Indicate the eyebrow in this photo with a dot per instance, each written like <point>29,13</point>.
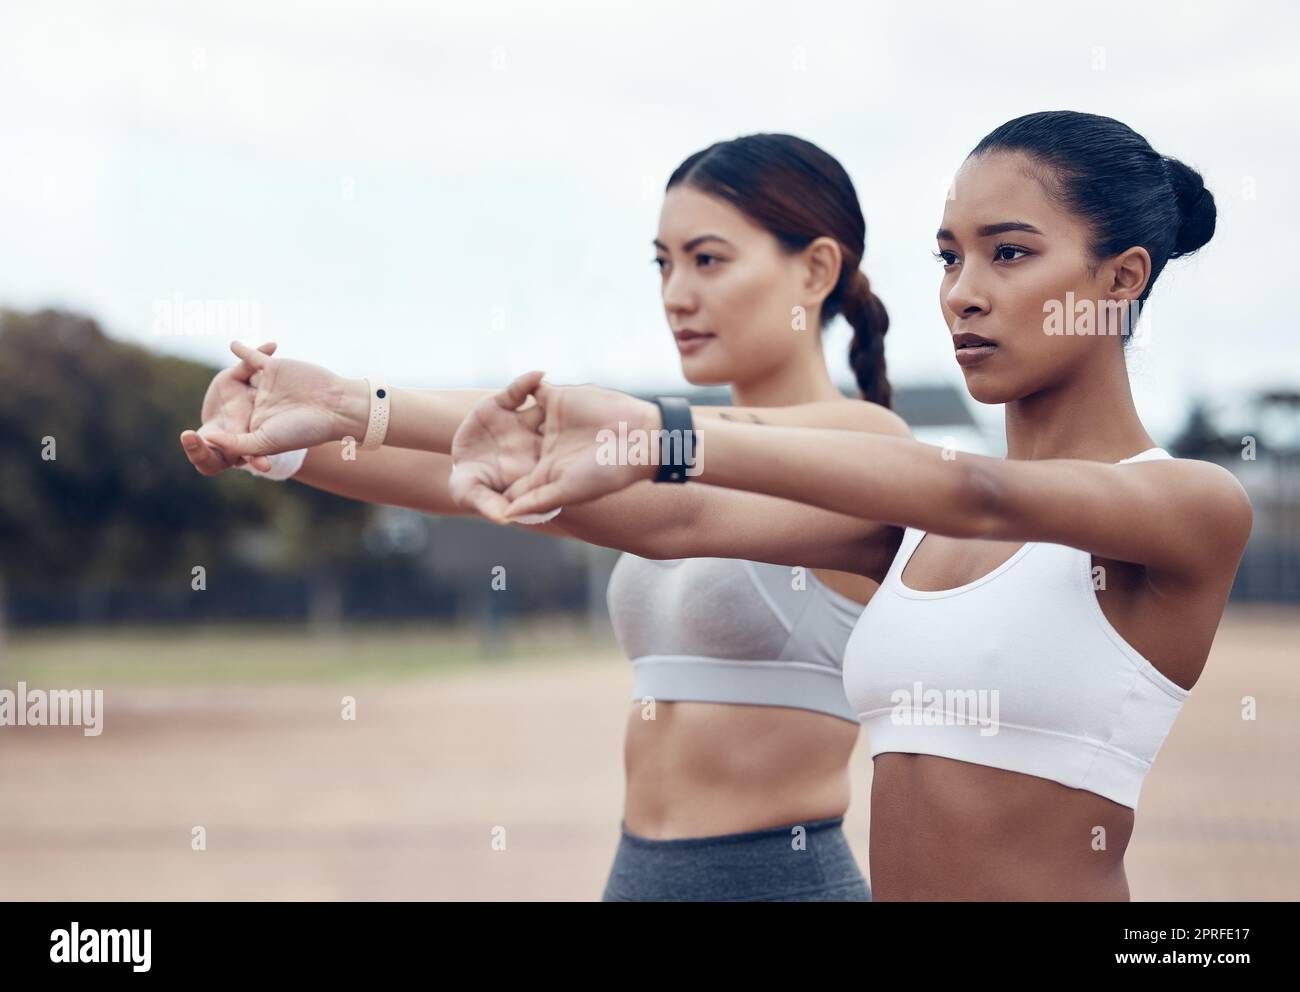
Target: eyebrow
<point>988,230</point>
<point>695,242</point>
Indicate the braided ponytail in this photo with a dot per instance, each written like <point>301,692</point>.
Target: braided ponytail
<point>866,314</point>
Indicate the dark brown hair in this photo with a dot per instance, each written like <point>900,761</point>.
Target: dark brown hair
<point>799,193</point>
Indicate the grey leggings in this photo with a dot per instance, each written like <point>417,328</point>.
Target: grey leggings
<point>808,862</point>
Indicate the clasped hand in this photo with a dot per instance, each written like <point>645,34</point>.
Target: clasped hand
<point>518,456</point>
<point>579,457</point>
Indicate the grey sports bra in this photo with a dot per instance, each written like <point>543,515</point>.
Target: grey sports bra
<point>725,630</point>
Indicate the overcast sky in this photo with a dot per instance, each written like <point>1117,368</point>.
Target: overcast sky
<point>452,193</point>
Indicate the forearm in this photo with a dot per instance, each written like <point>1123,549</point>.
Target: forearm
<point>418,419</point>
<point>873,477</point>
<point>393,476</point>
<point>670,522</point>
<point>645,520</point>
<point>666,522</point>
<point>418,480</point>
<point>427,419</point>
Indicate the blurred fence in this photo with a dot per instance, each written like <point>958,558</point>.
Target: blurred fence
<point>444,568</point>
<point>1270,568</point>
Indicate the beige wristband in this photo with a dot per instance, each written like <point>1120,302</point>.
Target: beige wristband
<point>377,428</point>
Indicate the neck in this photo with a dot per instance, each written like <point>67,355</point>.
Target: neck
<point>1091,417</point>
<point>801,380</point>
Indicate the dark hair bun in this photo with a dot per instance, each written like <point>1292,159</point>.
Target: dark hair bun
<point>1195,206</point>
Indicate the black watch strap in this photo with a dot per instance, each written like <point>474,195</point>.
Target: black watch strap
<point>676,439</point>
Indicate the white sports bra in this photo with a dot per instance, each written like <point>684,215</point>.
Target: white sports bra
<point>1019,669</point>
<point>726,630</point>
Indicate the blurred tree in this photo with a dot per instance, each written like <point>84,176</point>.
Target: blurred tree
<point>95,489</point>
<point>1198,435</point>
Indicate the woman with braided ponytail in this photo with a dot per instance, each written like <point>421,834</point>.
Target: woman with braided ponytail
<point>739,732</point>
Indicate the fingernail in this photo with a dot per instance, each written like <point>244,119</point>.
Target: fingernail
<point>190,443</point>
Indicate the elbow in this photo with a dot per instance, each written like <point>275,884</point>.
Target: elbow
<point>656,553</point>
<point>683,533</point>
<point>657,545</point>
<point>682,536</point>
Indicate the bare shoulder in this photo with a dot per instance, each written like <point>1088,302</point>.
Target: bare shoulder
<point>1219,500</point>
<point>1225,493</point>
<point>843,414</point>
<point>876,419</point>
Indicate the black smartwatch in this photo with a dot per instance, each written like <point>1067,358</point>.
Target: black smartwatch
<point>676,439</point>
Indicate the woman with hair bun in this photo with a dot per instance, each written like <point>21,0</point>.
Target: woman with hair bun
<point>1047,614</point>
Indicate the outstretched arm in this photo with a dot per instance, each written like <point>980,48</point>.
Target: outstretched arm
<point>300,405</point>
<point>1184,518</point>
<point>648,520</point>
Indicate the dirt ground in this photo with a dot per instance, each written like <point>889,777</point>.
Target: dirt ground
<point>505,782</point>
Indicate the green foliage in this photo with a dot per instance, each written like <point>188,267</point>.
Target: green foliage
<point>119,502</point>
